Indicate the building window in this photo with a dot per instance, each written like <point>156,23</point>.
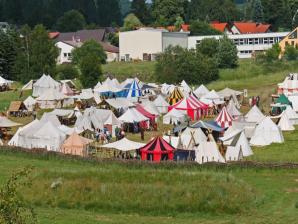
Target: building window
<point>65,55</point>
<point>261,41</point>
<point>266,41</point>
<point>250,41</point>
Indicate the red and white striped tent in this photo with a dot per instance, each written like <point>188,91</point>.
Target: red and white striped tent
<point>224,119</point>
<point>193,107</point>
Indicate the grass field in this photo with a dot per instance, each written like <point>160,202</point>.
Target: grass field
<point>116,192</point>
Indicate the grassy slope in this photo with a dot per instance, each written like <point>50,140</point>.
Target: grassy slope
<point>121,193</point>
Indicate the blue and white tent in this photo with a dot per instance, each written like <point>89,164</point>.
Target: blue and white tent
<point>133,90</point>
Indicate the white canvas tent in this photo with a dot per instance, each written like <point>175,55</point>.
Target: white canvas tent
<point>28,86</point>
<point>201,91</point>
<point>30,103</point>
<point>119,103</point>
<point>232,110</point>
<point>191,137</point>
<point>238,145</point>
<point>208,152</point>
<point>50,99</point>
<point>151,108</point>
<point>211,98</point>
<point>227,93</point>
<point>254,115</point>
<point>124,145</point>
<point>172,140</point>
<point>292,115</point>
<point>266,132</point>
<point>284,123</point>
<point>6,123</point>
<point>161,104</point>
<point>174,117</point>
<point>4,81</point>
<point>44,84</point>
<point>131,116</point>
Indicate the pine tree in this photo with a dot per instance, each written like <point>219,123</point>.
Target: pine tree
<point>258,11</point>
<point>140,9</point>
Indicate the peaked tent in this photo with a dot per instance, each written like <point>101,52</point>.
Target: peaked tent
<point>201,91</point>
<point>124,145</point>
<point>174,117</point>
<point>151,108</point>
<point>285,124</point>
<point>212,98</point>
<point>66,90</point>
<point>185,88</point>
<point>161,104</point>
<point>76,145</point>
<point>28,85</point>
<point>224,119</point>
<point>50,99</point>
<point>30,103</point>
<point>43,84</point>
<point>232,110</point>
<point>292,115</point>
<point>133,90</point>
<point>157,149</point>
<point>254,115</point>
<point>238,145</point>
<point>192,106</point>
<point>266,132</point>
<point>131,116</point>
<point>192,137</point>
<point>143,111</point>
<point>208,152</point>
<point>227,93</point>
<point>175,96</point>
<point>4,81</point>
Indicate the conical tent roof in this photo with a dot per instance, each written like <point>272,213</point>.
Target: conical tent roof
<point>212,95</point>
<point>175,96</point>
<point>151,108</point>
<point>232,110</point>
<point>191,137</point>
<point>227,92</point>
<point>224,119</point>
<point>131,116</point>
<point>254,115</point>
<point>185,88</point>
<point>134,90</point>
<point>75,140</point>
<point>124,145</point>
<point>161,102</point>
<point>208,152</point>
<point>266,132</point>
<point>173,117</point>
<point>157,147</point>
<point>285,124</point>
<point>44,83</point>
<point>201,91</point>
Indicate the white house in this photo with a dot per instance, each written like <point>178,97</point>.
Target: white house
<point>66,47</point>
<point>247,44</point>
<point>145,43</point>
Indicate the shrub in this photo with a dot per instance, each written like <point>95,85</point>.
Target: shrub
<point>66,71</point>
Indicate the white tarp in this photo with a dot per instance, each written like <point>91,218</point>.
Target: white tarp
<point>132,115</point>
<point>150,107</point>
<point>266,132</point>
<point>43,84</point>
<point>119,103</point>
<point>6,123</point>
<point>30,103</point>
<point>4,81</point>
<point>227,92</point>
<point>201,91</point>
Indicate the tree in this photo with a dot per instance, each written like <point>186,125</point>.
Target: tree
<point>202,28</point>
<point>43,52</point>
<point>179,22</point>
<point>114,39</point>
<point>269,56</point>
<point>176,64</point>
<point>227,53</point>
<point>131,22</point>
<point>90,71</point>
<point>165,12</point>
<point>89,47</point>
<point>71,21</point>
<point>66,71</point>
<point>257,12</point>
<point>140,9</point>
<point>13,209</point>
<point>9,43</point>
<point>208,47</point>
<point>291,53</point>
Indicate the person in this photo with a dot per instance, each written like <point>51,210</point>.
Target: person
<point>34,114</point>
<point>250,102</point>
<point>97,135</point>
<point>122,133</point>
<point>117,133</point>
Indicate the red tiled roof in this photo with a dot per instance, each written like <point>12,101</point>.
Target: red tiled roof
<point>185,27</point>
<point>53,35</point>
<point>219,26</point>
<point>250,27</point>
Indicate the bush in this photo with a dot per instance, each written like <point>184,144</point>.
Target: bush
<point>208,47</point>
<point>202,28</point>
<point>91,71</point>
<point>291,53</point>
<point>66,71</point>
<point>269,56</point>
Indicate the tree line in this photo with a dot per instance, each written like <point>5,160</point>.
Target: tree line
<point>99,13</point>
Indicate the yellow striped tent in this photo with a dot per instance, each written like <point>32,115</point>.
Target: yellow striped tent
<point>175,96</point>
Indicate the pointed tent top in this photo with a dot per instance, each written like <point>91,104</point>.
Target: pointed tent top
<point>75,140</point>
<point>224,119</point>
<point>254,115</point>
<point>124,145</point>
<point>201,91</point>
<point>232,110</point>
<point>161,102</point>
<point>284,123</point>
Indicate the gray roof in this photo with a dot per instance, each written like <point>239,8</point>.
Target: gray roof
<point>83,35</point>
